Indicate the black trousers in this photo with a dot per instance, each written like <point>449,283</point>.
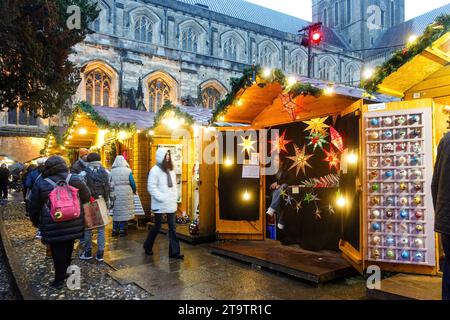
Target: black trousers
<point>174,244</point>
<point>4,191</point>
<point>62,257</point>
<point>446,276</point>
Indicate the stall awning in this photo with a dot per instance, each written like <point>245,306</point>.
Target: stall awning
<point>418,69</point>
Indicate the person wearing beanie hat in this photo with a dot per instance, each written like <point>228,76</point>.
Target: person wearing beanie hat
<point>81,163</point>
<point>98,181</point>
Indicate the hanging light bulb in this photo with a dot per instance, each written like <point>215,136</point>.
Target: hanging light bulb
<point>341,202</point>
<point>267,72</point>
<point>352,158</point>
<point>292,81</point>
<point>246,196</point>
<point>82,131</point>
<point>228,162</point>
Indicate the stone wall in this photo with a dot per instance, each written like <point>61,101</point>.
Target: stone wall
<point>21,149</point>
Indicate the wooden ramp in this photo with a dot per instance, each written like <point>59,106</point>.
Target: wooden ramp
<point>408,287</point>
<point>316,267</point>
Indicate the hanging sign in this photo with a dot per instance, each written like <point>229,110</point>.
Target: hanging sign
<point>250,172</point>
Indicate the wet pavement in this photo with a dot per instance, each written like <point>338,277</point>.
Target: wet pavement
<point>129,274</point>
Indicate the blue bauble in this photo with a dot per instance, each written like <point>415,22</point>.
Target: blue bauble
<point>376,226</point>
<point>405,255</point>
<point>415,119</point>
<point>415,160</point>
<point>418,256</point>
<point>388,134</point>
<point>374,122</point>
<point>389,174</point>
<point>390,240</point>
<point>404,214</point>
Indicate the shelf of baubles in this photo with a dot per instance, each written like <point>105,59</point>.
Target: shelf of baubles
<point>400,215</point>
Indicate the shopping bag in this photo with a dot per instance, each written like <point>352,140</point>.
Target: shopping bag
<point>95,214</point>
<point>138,209</point>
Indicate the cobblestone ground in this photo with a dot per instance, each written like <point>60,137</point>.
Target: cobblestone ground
<point>129,274</point>
<point>6,289</point>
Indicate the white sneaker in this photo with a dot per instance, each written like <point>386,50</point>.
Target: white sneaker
<point>270,212</point>
<point>280,226</point>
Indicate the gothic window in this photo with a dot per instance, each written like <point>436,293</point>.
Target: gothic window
<point>352,77</point>
<point>349,11</point>
<point>392,14</point>
<point>143,29</point>
<point>325,17</point>
<point>267,58</point>
<point>298,64</point>
<point>98,88</point>
<point>230,49</point>
<point>189,40</point>
<point>22,117</point>
<point>326,71</point>
<point>159,92</point>
<point>96,25</point>
<point>383,18</point>
<point>210,97</point>
<point>336,13</point>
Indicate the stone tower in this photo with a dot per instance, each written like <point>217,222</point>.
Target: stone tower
<point>359,22</point>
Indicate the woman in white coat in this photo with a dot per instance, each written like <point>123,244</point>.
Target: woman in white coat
<point>163,190</point>
<point>124,188</point>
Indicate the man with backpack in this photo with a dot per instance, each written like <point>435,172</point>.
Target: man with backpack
<point>97,179</point>
<point>56,209</point>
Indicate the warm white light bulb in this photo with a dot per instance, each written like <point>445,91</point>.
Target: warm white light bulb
<point>341,202</point>
<point>246,196</point>
<point>352,158</point>
<point>82,131</point>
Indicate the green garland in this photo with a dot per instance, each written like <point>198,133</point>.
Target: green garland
<point>102,123</point>
<point>432,33</point>
<point>52,132</point>
<point>255,75</point>
<point>168,106</point>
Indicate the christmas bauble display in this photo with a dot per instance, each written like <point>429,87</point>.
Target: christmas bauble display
<point>375,201</point>
<point>401,121</point>
<point>404,214</point>
<point>404,241</point>
<point>417,147</point>
<point>387,162</point>
<point>403,186</point>
<point>402,174</point>
<point>403,201</point>
<point>417,174</point>
<point>415,119</point>
<point>418,200</point>
<point>389,213</point>
<point>376,240</point>
<point>388,188</point>
<point>376,253</point>
<point>390,254</point>
<point>389,147</point>
<point>373,175</point>
<point>419,228</point>
<point>418,242</point>
<point>403,227</point>
<point>389,174</point>
<point>418,256</point>
<point>374,162</point>
<point>416,133</point>
<point>376,226</point>
<point>405,255</point>
<point>401,147</point>
<point>402,160</point>
<point>419,214</point>
<point>387,121</point>
<point>401,134</point>
<point>375,187</point>
<point>390,227</point>
<point>415,160</point>
<point>374,122</point>
<point>418,187</point>
<point>387,134</point>
<point>390,240</point>
<point>390,201</point>
<point>376,214</point>
<point>374,135</point>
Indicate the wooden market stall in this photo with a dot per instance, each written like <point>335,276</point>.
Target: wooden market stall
<point>315,127</point>
<point>423,82</point>
<point>137,135</point>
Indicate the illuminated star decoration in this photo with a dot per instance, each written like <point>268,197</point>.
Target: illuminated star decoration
<point>317,140</point>
<point>247,144</point>
<point>331,209</point>
<point>289,106</point>
<point>309,197</point>
<point>300,160</point>
<point>283,193</point>
<point>298,206</point>
<point>336,139</point>
<point>332,158</point>
<point>289,200</point>
<point>279,144</point>
<point>317,125</point>
<point>317,214</point>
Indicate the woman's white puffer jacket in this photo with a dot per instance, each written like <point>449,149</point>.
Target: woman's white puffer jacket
<point>164,199</point>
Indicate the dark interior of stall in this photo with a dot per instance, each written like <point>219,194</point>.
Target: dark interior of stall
<point>317,224</point>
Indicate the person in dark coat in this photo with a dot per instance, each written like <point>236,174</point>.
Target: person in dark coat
<point>81,164</point>
<point>59,235</point>
<point>4,181</point>
<point>440,189</point>
<point>279,184</point>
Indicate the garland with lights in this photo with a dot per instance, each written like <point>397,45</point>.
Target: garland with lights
<point>52,132</point>
<point>168,106</point>
<point>102,123</point>
<point>431,34</point>
<point>255,75</point>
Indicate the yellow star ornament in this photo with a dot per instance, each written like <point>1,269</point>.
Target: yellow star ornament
<point>300,160</point>
<point>317,125</point>
<point>247,144</point>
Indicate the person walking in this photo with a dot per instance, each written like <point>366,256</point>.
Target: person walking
<point>4,181</point>
<point>30,180</point>
<point>162,188</point>
<point>124,188</point>
<point>440,189</point>
<point>81,163</point>
<point>98,181</point>
<point>62,234</point>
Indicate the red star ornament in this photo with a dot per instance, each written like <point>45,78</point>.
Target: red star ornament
<point>279,144</point>
<point>332,159</point>
<point>336,139</point>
